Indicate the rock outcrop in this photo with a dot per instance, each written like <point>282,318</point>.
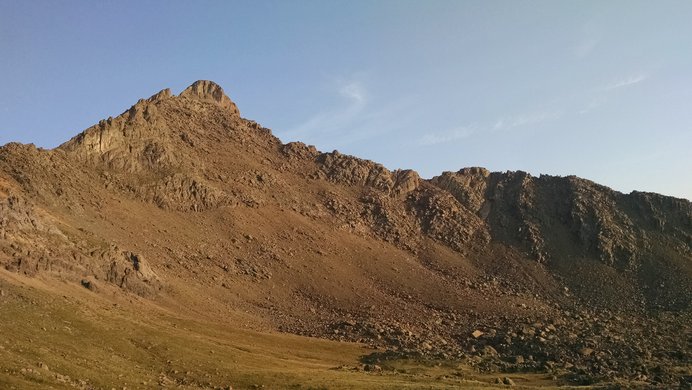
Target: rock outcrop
<point>180,195</point>
<point>212,92</point>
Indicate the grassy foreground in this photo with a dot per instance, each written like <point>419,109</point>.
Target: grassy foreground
<point>60,336</point>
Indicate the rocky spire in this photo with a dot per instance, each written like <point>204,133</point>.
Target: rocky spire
<point>209,91</point>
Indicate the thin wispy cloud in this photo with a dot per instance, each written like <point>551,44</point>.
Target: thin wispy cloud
<point>626,82</point>
<point>378,119</point>
<point>501,124</point>
<point>533,118</point>
<point>585,47</point>
<point>600,96</point>
<point>446,136</point>
<point>354,101</point>
<point>355,118</point>
<point>592,105</point>
<point>353,90</point>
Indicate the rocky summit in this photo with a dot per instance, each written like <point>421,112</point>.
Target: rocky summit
<point>179,245</point>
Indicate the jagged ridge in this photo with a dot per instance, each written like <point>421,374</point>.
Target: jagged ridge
<point>205,195</point>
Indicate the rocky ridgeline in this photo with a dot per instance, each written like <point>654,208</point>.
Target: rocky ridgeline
<point>146,150</point>
<point>549,218</point>
<point>599,222</point>
<point>617,259</point>
<point>398,206</point>
<point>162,150</point>
<point>546,217</point>
<point>563,221</point>
<point>138,138</point>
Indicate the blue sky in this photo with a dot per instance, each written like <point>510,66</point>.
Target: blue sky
<point>599,89</point>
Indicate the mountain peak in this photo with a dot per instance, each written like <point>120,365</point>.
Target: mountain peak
<point>198,211</point>
<point>209,91</point>
<point>161,95</point>
<point>144,121</point>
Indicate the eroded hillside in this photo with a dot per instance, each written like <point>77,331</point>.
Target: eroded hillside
<point>184,203</point>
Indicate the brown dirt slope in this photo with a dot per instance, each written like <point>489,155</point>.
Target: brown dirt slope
<point>181,201</point>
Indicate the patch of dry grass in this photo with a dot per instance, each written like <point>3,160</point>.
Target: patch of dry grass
<point>86,341</point>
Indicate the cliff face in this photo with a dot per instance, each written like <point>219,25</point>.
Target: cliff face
<point>567,221</point>
<point>182,191</point>
<point>194,152</point>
